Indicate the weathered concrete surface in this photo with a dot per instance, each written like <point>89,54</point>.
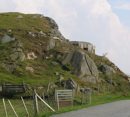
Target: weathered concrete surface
<point>115,109</point>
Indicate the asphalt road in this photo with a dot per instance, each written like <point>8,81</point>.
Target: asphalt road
<point>115,109</point>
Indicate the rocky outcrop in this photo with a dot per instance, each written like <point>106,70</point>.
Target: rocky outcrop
<point>106,69</point>
<point>17,52</point>
<point>54,32</point>
<point>83,66</point>
<point>51,44</point>
<point>69,84</point>
<point>9,66</point>
<point>38,50</point>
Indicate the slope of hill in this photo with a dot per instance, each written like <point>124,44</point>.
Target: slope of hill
<point>32,50</point>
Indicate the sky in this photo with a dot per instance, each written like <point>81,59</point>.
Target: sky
<point>104,23</point>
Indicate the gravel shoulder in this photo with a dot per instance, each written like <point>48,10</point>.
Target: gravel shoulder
<point>114,109</point>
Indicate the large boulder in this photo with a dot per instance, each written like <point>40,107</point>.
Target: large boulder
<point>108,70</point>
<point>83,66</point>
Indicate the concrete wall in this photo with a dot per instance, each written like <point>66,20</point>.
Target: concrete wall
<point>84,45</point>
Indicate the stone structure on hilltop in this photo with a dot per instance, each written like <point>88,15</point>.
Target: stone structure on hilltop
<point>84,45</point>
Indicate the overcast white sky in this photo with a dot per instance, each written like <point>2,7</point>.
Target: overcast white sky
<point>105,23</point>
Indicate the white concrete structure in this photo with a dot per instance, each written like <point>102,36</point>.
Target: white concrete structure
<point>84,45</point>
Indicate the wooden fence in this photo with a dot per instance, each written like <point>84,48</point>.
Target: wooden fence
<point>64,98</point>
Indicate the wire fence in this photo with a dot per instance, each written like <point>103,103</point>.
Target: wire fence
<point>35,106</point>
<point>20,109</point>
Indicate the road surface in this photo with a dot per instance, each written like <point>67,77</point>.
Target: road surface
<point>115,109</point>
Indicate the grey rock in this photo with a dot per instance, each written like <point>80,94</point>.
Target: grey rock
<point>83,66</point>
<point>56,33</point>
<point>51,44</point>
<point>17,56</point>
<point>10,67</point>
<point>32,34</point>
<point>21,56</point>
<point>106,69</point>
<point>6,38</point>
<point>14,56</point>
<point>17,52</point>
<point>70,84</point>
<point>42,34</point>
<point>52,22</point>
<point>54,29</point>
<point>90,78</point>
<point>54,63</point>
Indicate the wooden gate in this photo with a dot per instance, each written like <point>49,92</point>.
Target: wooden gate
<point>64,98</point>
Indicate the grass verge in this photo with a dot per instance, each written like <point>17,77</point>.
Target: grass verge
<point>96,100</point>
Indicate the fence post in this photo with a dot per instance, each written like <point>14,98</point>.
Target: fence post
<point>25,106</point>
<point>57,100</point>
<point>90,97</point>
<point>45,103</point>
<point>5,107</point>
<point>13,108</point>
<point>35,103</point>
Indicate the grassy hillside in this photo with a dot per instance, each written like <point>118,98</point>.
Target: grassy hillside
<point>26,29</point>
<point>27,22</point>
<point>44,70</point>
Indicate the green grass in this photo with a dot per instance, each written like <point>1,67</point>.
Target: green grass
<point>18,107</point>
<point>96,100</point>
<point>44,71</point>
<point>10,21</point>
